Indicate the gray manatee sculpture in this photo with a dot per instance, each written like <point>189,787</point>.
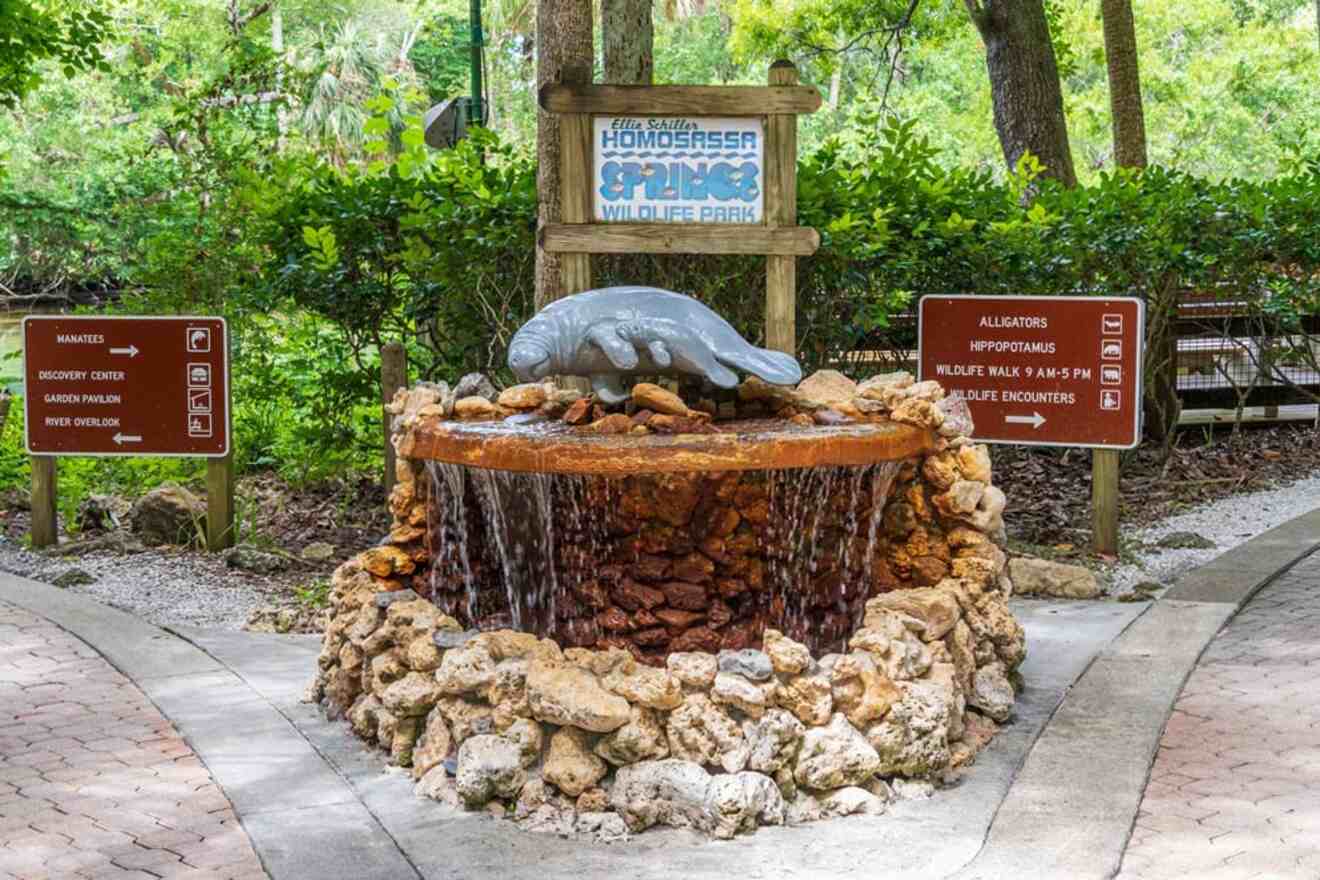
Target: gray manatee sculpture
<point>616,331</point>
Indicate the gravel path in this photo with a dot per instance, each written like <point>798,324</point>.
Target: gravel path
<point>159,586</point>
<point>1227,522</point>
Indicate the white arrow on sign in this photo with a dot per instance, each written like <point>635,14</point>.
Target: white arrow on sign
<point>1035,420</point>
<point>121,439</point>
<point>131,351</point>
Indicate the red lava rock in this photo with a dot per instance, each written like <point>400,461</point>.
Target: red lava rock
<point>736,638</point>
<point>631,595</point>
<point>720,614</point>
<point>642,416</point>
<point>713,548</point>
<point>927,571</point>
<point>693,568</point>
<point>677,618</point>
<point>650,567</point>
<point>593,594</point>
<point>699,638</point>
<point>651,638</point>
<point>644,618</point>
<point>578,411</point>
<point>684,595</point>
<point>729,588</point>
<point>597,412</point>
<point>614,619</point>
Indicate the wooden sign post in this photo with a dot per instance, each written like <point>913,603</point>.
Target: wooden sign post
<point>684,170</point>
<point>115,386</point>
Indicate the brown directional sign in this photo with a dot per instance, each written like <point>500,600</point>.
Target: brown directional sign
<point>126,386</point>
<point>1043,370</point>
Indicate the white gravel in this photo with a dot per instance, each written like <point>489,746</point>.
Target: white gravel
<point>1228,522</point>
<point>163,587</point>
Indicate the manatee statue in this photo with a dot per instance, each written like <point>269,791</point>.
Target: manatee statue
<point>607,333</point>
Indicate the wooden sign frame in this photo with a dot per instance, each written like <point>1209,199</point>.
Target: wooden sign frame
<point>778,237</point>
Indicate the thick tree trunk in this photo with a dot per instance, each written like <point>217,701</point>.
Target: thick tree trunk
<point>627,38</point>
<point>563,54</point>
<point>1125,110</point>
<point>1024,83</point>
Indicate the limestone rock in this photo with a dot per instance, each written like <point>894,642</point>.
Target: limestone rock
<point>489,766</point>
<point>702,732</point>
<point>605,827</point>
<point>413,694</point>
<point>827,387</point>
<point>808,696</point>
<point>528,396</point>
<point>885,387</point>
<point>991,692</point>
<point>642,738</point>
<point>1041,577</point>
<point>649,396</point>
<point>786,656</point>
<point>913,739</point>
<point>741,801</point>
<point>751,664</point>
<point>526,735</point>
<point>475,385</point>
<point>974,462</point>
<point>593,800</point>
<point>860,691</point>
<point>913,789</point>
<point>773,740</point>
<point>956,418</point>
<point>569,764</point>
<point>245,557</point>
<point>848,801</point>
<point>475,408</point>
<point>668,792</point>
<point>465,670</point>
<point>433,746</point>
<point>644,685</point>
<point>835,756</point>
<point>935,608</point>
<point>737,691</point>
<point>694,669</point>
<point>437,785</point>
<point>169,515</point>
<point>465,718</point>
<point>362,716</point>
<point>421,654</point>
<point>563,694</point>
<point>890,639</point>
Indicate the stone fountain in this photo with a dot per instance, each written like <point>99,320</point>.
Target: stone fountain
<point>730,604</point>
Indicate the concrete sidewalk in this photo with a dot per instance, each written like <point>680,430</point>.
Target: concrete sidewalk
<point>1055,794</point>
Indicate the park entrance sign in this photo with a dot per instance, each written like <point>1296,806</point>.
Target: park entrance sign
<point>1040,370</point>
<point>126,386</point>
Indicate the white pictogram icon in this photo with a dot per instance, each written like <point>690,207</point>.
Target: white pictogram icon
<point>199,375</point>
<point>1112,323</point>
<point>1110,399</point>
<point>1111,349</point>
<point>199,400</point>
<point>199,338</point>
<point>199,425</point>
<point>1111,374</point>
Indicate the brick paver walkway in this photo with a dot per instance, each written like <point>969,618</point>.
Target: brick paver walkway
<point>94,782</point>
<point>1235,789</point>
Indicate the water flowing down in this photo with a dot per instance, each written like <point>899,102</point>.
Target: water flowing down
<point>659,562</point>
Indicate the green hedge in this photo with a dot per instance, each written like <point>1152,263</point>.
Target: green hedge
<point>447,252</point>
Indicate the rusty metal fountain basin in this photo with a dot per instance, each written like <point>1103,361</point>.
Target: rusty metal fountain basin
<point>661,543</point>
<point>748,444</point>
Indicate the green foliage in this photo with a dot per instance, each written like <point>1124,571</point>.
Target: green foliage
<point>69,34</point>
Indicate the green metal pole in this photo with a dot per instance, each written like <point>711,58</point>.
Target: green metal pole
<point>477,111</point>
